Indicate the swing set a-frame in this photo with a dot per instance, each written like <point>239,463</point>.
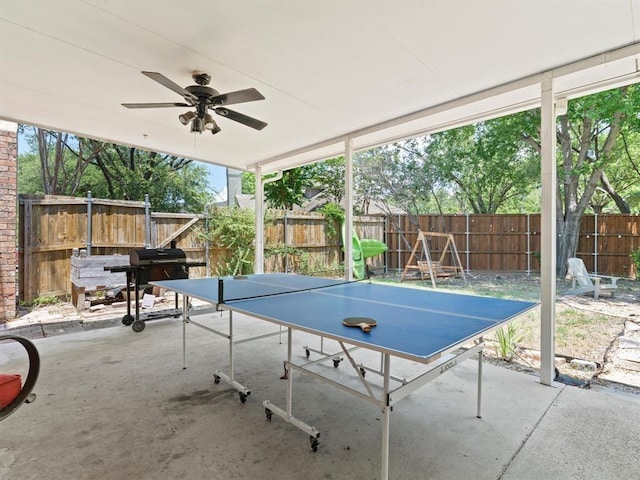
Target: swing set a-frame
<point>429,268</point>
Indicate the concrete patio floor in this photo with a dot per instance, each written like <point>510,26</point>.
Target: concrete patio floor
<point>114,404</point>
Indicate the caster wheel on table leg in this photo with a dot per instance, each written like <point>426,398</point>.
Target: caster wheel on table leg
<point>268,413</point>
<point>307,353</point>
<point>336,362</point>
<point>314,443</point>
<point>216,379</point>
<point>243,397</point>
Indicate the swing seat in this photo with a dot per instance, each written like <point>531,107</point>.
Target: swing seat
<point>439,270</point>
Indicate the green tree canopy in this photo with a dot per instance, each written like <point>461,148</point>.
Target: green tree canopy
<point>285,192</point>
<point>487,163</point>
<point>61,164</point>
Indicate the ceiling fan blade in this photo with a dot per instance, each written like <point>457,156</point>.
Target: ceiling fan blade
<point>240,96</point>
<point>241,118</point>
<point>154,105</point>
<point>162,80</point>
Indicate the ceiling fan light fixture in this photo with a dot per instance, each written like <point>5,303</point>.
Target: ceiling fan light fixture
<point>185,118</point>
<point>197,125</point>
<point>209,124</point>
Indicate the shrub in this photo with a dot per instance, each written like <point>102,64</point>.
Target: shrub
<point>233,229</point>
<point>507,339</point>
<point>46,300</point>
<point>635,257</point>
<point>333,217</point>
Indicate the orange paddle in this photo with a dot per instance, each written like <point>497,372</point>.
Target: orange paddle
<point>365,323</point>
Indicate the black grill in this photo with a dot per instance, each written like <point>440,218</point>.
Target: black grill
<point>155,264</point>
<point>151,265</point>
<point>155,256</point>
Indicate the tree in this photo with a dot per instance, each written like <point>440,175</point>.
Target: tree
<point>328,176</point>
<point>620,184</point>
<point>394,175</point>
<point>487,163</point>
<point>283,193</point>
<point>172,183</point>
<point>587,135</point>
<point>70,165</point>
<point>248,183</point>
<point>62,161</point>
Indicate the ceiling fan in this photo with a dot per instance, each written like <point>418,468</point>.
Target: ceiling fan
<point>204,98</point>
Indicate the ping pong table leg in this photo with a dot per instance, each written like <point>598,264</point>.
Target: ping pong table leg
<point>185,312</point>
<point>386,420</point>
<point>231,346</point>
<point>287,413</point>
<point>479,414</point>
<point>243,391</point>
<point>290,374</point>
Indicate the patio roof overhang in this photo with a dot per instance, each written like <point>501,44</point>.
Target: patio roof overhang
<point>371,71</point>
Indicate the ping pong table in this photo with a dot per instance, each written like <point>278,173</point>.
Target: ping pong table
<point>436,329</point>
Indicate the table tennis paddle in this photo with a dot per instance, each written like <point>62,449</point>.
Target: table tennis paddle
<point>364,323</point>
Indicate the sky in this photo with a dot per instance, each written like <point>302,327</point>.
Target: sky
<point>217,177</point>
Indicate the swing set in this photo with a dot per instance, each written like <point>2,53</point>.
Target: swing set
<point>429,268</point>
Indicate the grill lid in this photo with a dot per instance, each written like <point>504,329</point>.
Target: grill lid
<point>154,256</point>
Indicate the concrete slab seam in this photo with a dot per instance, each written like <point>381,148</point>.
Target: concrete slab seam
<point>561,389</point>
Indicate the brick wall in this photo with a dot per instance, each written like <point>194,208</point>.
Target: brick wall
<point>8,208</point>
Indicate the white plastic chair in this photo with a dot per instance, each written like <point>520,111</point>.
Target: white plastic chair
<point>588,283</point>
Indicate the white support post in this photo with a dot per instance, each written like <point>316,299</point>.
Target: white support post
<point>185,310</point>
<point>386,419</point>
<point>89,223</point>
<point>348,209</point>
<point>528,244</point>
<point>259,247</point>
<point>548,232</point>
<point>467,234</point>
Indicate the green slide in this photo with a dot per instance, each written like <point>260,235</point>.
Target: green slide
<point>372,247</point>
<point>363,248</point>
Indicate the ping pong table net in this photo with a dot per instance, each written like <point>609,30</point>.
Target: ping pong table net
<point>263,288</point>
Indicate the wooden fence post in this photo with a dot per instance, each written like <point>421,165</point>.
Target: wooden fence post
<point>89,223</point>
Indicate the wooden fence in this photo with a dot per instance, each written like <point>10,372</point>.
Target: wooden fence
<point>51,227</point>
<point>297,241</point>
<point>512,242</point>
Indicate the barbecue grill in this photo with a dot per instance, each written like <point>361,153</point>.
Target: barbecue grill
<point>158,264</point>
<point>149,265</point>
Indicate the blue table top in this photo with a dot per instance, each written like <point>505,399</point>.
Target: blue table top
<point>413,323</point>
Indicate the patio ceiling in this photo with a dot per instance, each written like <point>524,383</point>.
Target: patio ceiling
<point>372,71</point>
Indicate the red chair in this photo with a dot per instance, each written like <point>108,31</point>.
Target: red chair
<point>13,394</point>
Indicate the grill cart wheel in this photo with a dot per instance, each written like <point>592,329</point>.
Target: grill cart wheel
<point>138,326</point>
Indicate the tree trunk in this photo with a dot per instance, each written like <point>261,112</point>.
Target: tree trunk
<point>567,244</point>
